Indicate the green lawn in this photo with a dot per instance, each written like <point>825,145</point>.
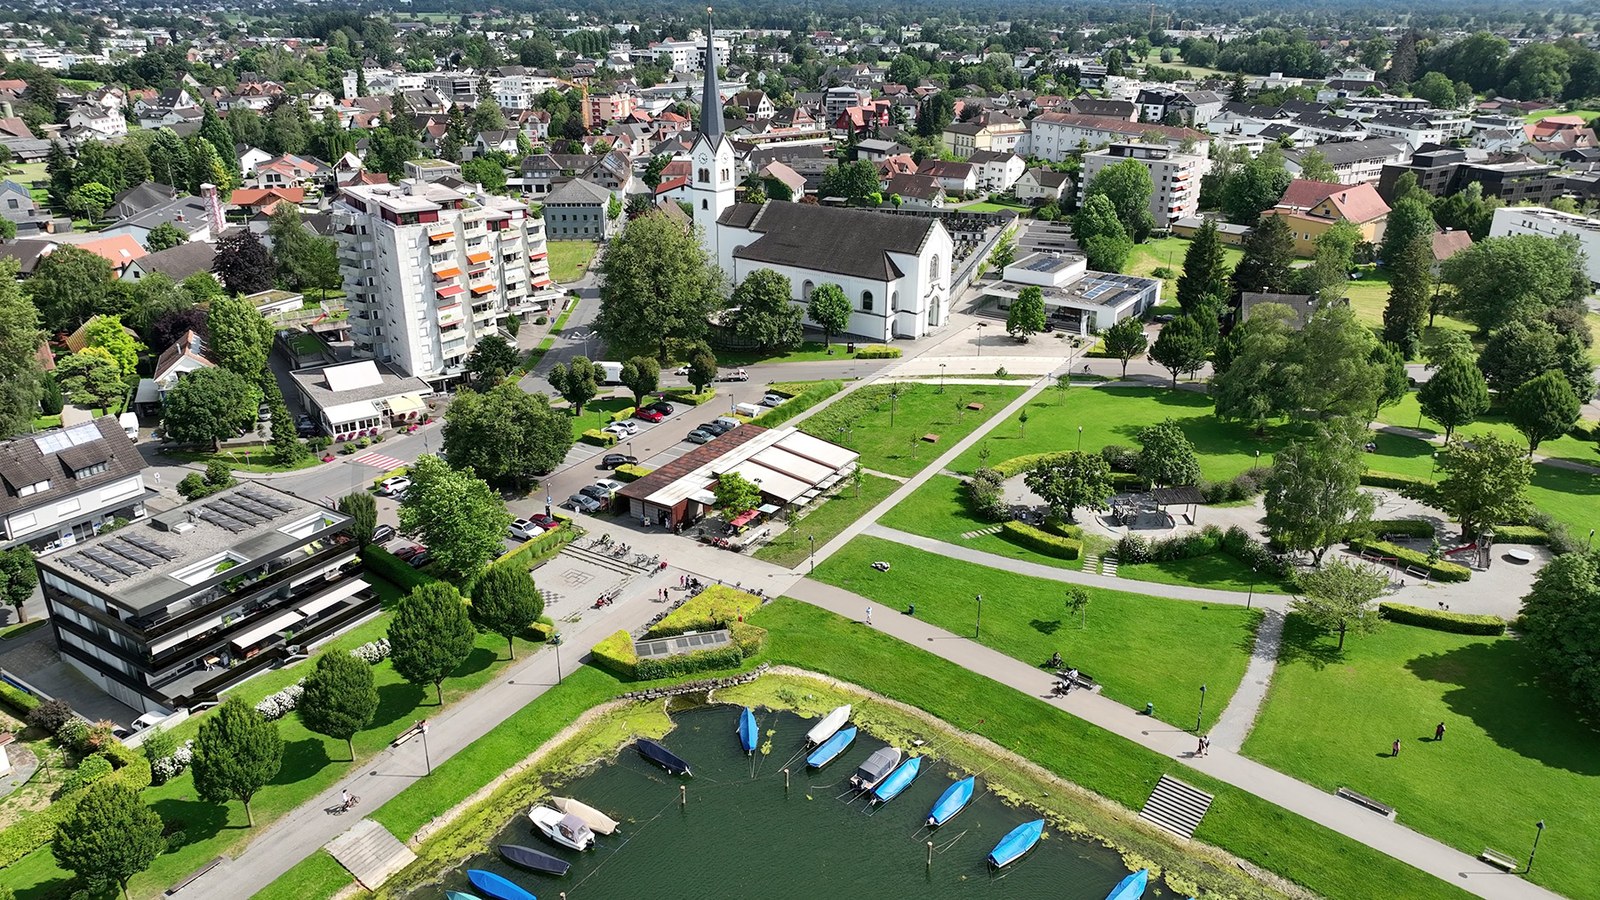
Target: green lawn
<point>1142,649</point>
<point>254,460</point>
<point>1408,413</point>
<point>791,548</point>
<point>938,509</point>
<point>1217,570</point>
<point>862,420</point>
<point>1513,753</point>
<point>1369,294</point>
<point>570,259</point>
<point>317,877</point>
<point>993,206</point>
<point>1168,253</point>
<point>597,413</point>
<point>808,351</point>
<point>1585,113</point>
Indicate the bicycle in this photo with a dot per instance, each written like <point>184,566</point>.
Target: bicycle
<point>347,805</point>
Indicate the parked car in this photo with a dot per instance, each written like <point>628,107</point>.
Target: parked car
<point>1163,319</point>
<point>700,436</point>
<point>727,423</point>
<point>773,400</point>
<point>525,529</point>
<point>596,493</point>
<point>621,429</point>
<point>582,504</point>
<point>546,523</point>
<point>611,485</point>
<point>681,371</point>
<point>733,375</point>
<point>405,554</point>
<point>716,427</point>
<point>393,487</point>
<point>648,414</point>
<point>663,407</point>
<point>612,460</point>
<point>420,560</point>
<point>305,427</point>
<point>263,413</point>
<point>382,533</point>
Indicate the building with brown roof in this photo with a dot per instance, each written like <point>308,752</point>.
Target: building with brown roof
<point>59,487</point>
<point>1312,207</point>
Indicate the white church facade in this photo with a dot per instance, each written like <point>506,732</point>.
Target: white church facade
<point>894,268</point>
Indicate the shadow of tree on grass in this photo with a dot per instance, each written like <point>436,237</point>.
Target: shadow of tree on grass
<point>1306,643</point>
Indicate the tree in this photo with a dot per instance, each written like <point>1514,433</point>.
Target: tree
<point>363,512</point>
<point>286,445</point>
<point>1026,316</point>
<point>20,379</point>
<point>1544,407</point>
<point>1456,395</point>
<point>236,753</point>
<point>489,172</point>
<point>1257,186</point>
<point>1521,350</point>
<point>1504,279</point>
<point>1483,482</point>
<point>657,285</point>
<point>1166,457</point>
<point>209,406</point>
<point>830,309</point>
<point>1410,289</point>
<point>18,578</point>
<point>1266,266</point>
<point>1181,347</point>
<point>577,382</point>
<point>107,333</point>
<point>431,634</point>
<point>1536,70</point>
<point>505,602</point>
<point>1403,62</point>
<point>1560,622</point>
<point>91,199</point>
<point>68,286</point>
<point>1069,480</point>
<point>109,834</point>
<point>854,181</point>
<point>1128,186</point>
<point>1394,383</point>
<point>1004,253</point>
<point>1313,493</point>
<point>239,338</point>
<point>91,378</point>
<point>1338,597</point>
<point>655,168</point>
<point>1314,166</point>
<point>1256,383</point>
<point>736,493</point>
<point>340,698</point>
<point>491,360</point>
<point>1467,210</point>
<point>164,237</point>
<point>1078,602</point>
<point>1333,374</point>
<point>702,366</point>
<point>1205,269</point>
<point>641,375</point>
<point>761,313</point>
<point>1409,220</point>
<point>1125,340</point>
<point>455,514</point>
<point>1437,89</point>
<point>1101,234</point>
<point>242,263</point>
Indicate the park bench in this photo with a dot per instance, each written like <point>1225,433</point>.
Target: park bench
<point>1083,681</point>
<point>195,876</point>
<point>1415,572</point>
<point>1362,800</point>
<point>1498,860</point>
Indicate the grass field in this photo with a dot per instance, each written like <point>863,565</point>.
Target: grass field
<point>791,548</point>
<point>569,259</point>
<point>993,206</point>
<point>1369,294</point>
<point>1217,570</point>
<point>1585,113</point>
<point>597,413</point>
<point>888,434</point>
<point>1142,649</point>
<point>1168,253</point>
<point>808,351</point>
<point>1408,413</point>
<point>1513,753</point>
<point>938,509</point>
<point>256,460</point>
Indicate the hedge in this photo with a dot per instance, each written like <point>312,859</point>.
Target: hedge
<point>36,829</point>
<point>20,701</point>
<point>630,472</point>
<point>599,438</point>
<point>728,656</point>
<point>1441,620</point>
<point>1017,465</point>
<point>615,655</point>
<point>799,401</point>
<point>390,567</point>
<point>533,551</point>
<point>751,639</point>
<point>1521,534</point>
<point>877,351</point>
<point>715,607</point>
<point>1041,541</point>
<point>679,395</point>
<point>1441,570</point>
<point>1392,480</point>
<point>1416,528</point>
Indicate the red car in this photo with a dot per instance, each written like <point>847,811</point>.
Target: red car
<point>405,554</point>
<point>544,521</point>
<point>648,415</point>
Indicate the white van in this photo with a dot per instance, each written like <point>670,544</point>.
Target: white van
<point>610,372</point>
<point>749,409</point>
<point>130,425</point>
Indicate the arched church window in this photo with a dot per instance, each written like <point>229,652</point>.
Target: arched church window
<point>866,301</point>
<point>805,291</point>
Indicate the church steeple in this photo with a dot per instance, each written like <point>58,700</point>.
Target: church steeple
<point>711,99</point>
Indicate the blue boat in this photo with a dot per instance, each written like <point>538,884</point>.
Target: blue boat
<point>1016,842</point>
<point>747,731</point>
<point>661,756</point>
<point>831,748</point>
<point>953,800</point>
<point>898,780</point>
<point>1130,888</point>
<point>497,887</point>
<point>459,895</point>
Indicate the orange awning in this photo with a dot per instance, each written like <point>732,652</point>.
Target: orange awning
<point>537,255</point>
<point>441,235</point>
<point>476,258</point>
<point>450,291</point>
<point>447,273</point>
<point>482,288</point>
<point>543,282</point>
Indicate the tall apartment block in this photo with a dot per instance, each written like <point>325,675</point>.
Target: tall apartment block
<point>1176,177</point>
<point>430,269</point>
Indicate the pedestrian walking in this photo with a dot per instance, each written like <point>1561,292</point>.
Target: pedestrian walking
<point>1200,746</point>
<point>1438,732</point>
<point>1394,750</point>
<point>869,615</point>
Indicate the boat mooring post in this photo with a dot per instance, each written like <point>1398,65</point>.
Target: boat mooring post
<point>683,795</point>
<point>930,854</point>
<point>786,781</point>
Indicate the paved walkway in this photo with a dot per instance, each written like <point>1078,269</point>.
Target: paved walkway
<point>1376,832</point>
<point>1433,438</point>
<point>1239,717</point>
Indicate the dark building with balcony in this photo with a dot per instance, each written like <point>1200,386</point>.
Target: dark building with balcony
<point>170,611</point>
<point>1445,171</point>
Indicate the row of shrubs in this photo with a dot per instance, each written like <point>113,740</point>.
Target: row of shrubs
<point>1421,529</point>
<point>17,700</point>
<point>1442,620</point>
<point>799,401</point>
<point>877,351</point>
<point>531,552</point>
<point>630,472</point>
<point>716,607</point>
<point>598,438</point>
<point>390,568</point>
<point>1236,542</point>
<point>684,395</point>
<point>1437,569</point>
<point>1039,540</point>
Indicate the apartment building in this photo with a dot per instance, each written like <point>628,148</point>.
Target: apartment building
<point>1176,177</point>
<point>1055,136</point>
<point>430,269</point>
<point>169,612</point>
<point>63,485</point>
<point>1549,223</point>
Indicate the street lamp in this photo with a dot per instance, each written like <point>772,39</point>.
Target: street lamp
<point>978,628</point>
<point>1590,547</point>
<point>981,327</point>
<point>1536,835</point>
<point>1200,716</point>
<point>1254,574</point>
<point>555,640</point>
<point>1080,438</point>
<point>813,552</point>
<point>426,756</point>
<point>941,378</point>
<point>585,337</point>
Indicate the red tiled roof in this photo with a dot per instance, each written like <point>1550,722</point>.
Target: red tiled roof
<point>1304,194</point>
<point>687,463</point>
<point>1448,243</point>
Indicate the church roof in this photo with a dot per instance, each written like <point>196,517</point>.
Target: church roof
<point>711,100</point>
<point>829,239</point>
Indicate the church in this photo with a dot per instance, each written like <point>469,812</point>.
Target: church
<point>895,269</point>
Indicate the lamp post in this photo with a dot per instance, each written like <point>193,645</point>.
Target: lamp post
<point>941,378</point>
<point>1254,574</point>
<point>1200,716</point>
<point>1536,835</point>
<point>813,539</point>
<point>981,327</point>
<point>426,756</point>
<point>1590,547</point>
<point>1080,438</point>
<point>555,641</point>
<point>585,337</point>
<point>978,628</point>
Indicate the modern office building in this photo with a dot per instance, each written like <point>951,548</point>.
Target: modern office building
<point>430,269</point>
<point>1176,177</point>
<point>63,485</point>
<point>170,611</point>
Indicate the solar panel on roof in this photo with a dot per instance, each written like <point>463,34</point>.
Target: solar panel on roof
<point>123,548</point>
<point>92,569</point>
<point>221,520</point>
<point>144,543</point>
<point>233,510</point>
<point>268,500</point>
<point>113,561</point>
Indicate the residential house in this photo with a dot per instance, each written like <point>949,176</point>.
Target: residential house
<point>755,104</point>
<point>26,253</point>
<point>120,250</point>
<point>139,198</point>
<point>916,191</point>
<point>1175,176</point>
<point>1246,118</point>
<point>994,132</point>
<point>1056,136</point>
<point>780,180</point>
<point>187,354</point>
<point>177,263</point>
<point>863,120</point>
<point>264,201</point>
<point>61,486</point>
<point>1126,110</point>
<point>289,170</point>
<point>1040,185</point>
<point>1549,223</point>
<point>877,150</point>
<point>250,157</point>
<point>98,120</point>
<point>1416,129</point>
<point>157,111</point>
<point>1355,162</point>
<point>577,211</point>
<point>955,177</point>
<point>190,215</point>
<point>1448,243</point>
<point>997,171</point>
<point>605,108</point>
<point>18,207</point>
<point>1444,171</point>
<point>1312,207</point>
<point>496,141</point>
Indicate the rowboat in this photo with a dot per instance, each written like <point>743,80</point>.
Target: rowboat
<point>537,860</point>
<point>1130,888</point>
<point>830,724</point>
<point>953,800</point>
<point>497,887</point>
<point>877,767</point>
<point>561,828</point>
<point>747,731</point>
<point>662,757</point>
<point>459,895</point>
<point>831,748</point>
<point>897,781</point>
<point>1016,842</point>
<point>598,822</point>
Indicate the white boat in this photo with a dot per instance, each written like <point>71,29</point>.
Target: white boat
<point>562,828</point>
<point>830,725</point>
<point>598,822</point>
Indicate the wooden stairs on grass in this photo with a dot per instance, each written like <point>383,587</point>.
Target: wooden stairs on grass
<point>1176,807</point>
